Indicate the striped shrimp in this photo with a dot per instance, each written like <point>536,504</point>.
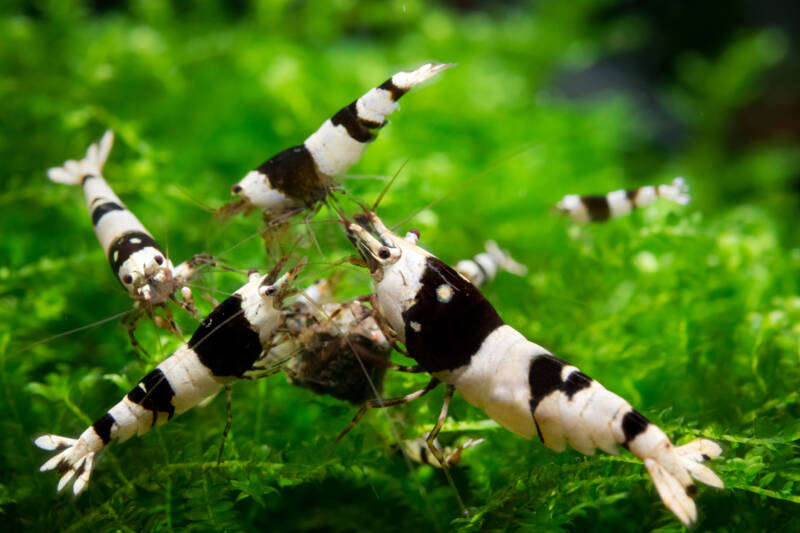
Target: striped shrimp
<point>135,257</point>
<point>229,344</point>
<point>456,335</point>
<point>299,177</point>
<point>620,203</point>
<point>482,268</point>
<point>332,337</point>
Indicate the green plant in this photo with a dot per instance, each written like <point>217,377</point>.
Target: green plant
<point>690,313</point>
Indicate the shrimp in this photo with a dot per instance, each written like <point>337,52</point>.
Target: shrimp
<point>301,176</point>
<point>456,335</point>
<point>136,259</point>
<point>620,203</point>
<point>230,343</point>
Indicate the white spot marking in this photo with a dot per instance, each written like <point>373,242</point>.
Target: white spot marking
<point>416,326</point>
<point>444,293</point>
<point>135,240</point>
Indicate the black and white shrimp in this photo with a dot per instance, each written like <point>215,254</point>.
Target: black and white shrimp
<point>456,335</point>
<point>135,257</point>
<point>482,268</point>
<point>299,177</point>
<point>342,350</point>
<point>230,343</point>
<point>620,203</point>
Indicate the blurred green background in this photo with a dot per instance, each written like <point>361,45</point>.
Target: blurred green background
<point>691,313</point>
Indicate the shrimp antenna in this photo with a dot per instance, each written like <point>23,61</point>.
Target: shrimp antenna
<point>388,185</point>
<point>313,222</point>
<point>70,332</point>
<point>188,195</point>
<point>272,276</point>
<point>468,180</point>
<point>420,210</point>
<point>334,204</point>
<point>293,246</point>
<point>362,205</point>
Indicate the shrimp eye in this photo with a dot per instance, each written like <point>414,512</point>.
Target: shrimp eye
<point>269,291</point>
<point>384,252</point>
<point>159,260</point>
<point>414,231</point>
<point>127,279</point>
<point>236,189</point>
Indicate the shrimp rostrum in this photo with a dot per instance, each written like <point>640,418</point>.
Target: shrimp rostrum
<point>231,343</point>
<point>456,335</point>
